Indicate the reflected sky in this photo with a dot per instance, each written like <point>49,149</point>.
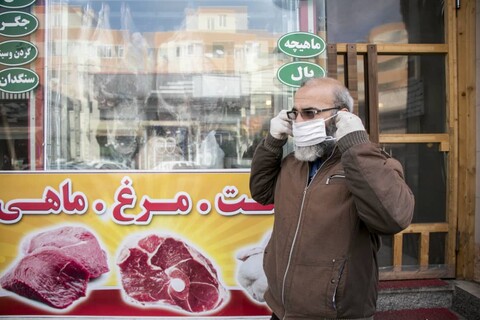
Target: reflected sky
<point>168,15</point>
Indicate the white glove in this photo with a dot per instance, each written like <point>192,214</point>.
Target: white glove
<point>346,123</point>
<point>281,126</point>
<point>250,273</point>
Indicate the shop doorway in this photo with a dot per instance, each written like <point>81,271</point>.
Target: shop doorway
<point>426,249</point>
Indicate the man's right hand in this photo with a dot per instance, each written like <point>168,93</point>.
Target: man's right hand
<point>281,126</point>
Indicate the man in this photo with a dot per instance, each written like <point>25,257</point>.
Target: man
<point>334,195</point>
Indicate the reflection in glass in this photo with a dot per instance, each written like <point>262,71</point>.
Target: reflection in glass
<point>411,251</point>
<point>424,167</point>
<point>162,85</point>
<point>437,248</point>
<point>392,21</point>
<point>14,135</point>
<point>411,92</point>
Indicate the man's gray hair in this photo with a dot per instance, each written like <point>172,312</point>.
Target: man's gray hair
<point>343,99</point>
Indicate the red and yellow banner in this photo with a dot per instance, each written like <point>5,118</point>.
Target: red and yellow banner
<point>178,222</point>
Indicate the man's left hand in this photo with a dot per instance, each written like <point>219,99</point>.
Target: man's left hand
<point>346,123</point>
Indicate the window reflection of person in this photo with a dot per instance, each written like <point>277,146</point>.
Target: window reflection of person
<point>166,140</point>
<point>119,105</point>
<point>6,163</point>
<point>248,154</point>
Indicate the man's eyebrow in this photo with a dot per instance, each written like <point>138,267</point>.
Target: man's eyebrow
<point>308,108</point>
<point>305,108</point>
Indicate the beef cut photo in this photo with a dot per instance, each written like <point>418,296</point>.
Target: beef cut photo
<point>48,276</point>
<point>56,266</point>
<point>166,271</point>
<point>75,242</point>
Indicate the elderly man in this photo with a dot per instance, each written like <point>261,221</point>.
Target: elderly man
<point>334,195</point>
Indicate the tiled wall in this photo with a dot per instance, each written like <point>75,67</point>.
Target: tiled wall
<point>477,206</point>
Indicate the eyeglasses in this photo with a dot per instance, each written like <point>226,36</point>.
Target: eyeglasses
<point>307,114</point>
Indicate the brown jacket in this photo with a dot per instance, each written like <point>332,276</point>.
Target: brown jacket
<point>321,261</point>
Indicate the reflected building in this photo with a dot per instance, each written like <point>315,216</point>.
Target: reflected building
<point>128,88</point>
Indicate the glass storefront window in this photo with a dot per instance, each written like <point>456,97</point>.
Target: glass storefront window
<point>424,167</point>
<point>21,123</point>
<point>162,85</point>
<point>411,93</point>
<point>392,21</point>
<point>410,252</point>
<point>14,134</point>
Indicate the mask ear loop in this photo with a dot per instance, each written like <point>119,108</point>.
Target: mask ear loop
<point>330,138</point>
<point>333,116</point>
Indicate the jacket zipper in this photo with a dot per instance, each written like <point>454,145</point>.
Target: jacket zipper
<point>296,231</point>
<point>291,248</point>
<point>335,176</point>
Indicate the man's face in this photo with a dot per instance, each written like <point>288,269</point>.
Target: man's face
<point>311,103</point>
<point>314,102</point>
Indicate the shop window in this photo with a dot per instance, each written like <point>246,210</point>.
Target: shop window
<point>411,244</point>
<point>392,21</point>
<point>14,135</point>
<point>437,245</point>
<point>137,71</point>
<point>164,91</point>
<point>411,93</point>
<point>424,167</point>
<point>412,97</point>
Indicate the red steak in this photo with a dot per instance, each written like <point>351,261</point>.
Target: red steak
<point>169,272</point>
<point>57,266</point>
<point>76,242</point>
<point>48,276</point>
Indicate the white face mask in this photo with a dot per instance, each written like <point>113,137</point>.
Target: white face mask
<point>310,132</point>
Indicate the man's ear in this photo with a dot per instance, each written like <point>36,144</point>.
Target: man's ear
<point>344,109</point>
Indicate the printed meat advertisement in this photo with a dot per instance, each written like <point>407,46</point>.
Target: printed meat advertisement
<point>137,245</point>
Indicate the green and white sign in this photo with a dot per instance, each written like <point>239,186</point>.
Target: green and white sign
<point>15,4</point>
<point>293,74</point>
<point>18,80</point>
<point>17,23</point>
<point>17,52</point>
<point>301,44</point>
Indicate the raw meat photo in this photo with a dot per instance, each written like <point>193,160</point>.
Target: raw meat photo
<point>76,242</point>
<point>57,266</point>
<point>164,271</point>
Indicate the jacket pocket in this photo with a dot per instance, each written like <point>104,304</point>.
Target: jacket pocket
<point>336,178</point>
<point>338,284</point>
<point>315,289</point>
<point>270,269</point>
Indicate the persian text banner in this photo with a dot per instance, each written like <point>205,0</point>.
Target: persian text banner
<point>172,221</point>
